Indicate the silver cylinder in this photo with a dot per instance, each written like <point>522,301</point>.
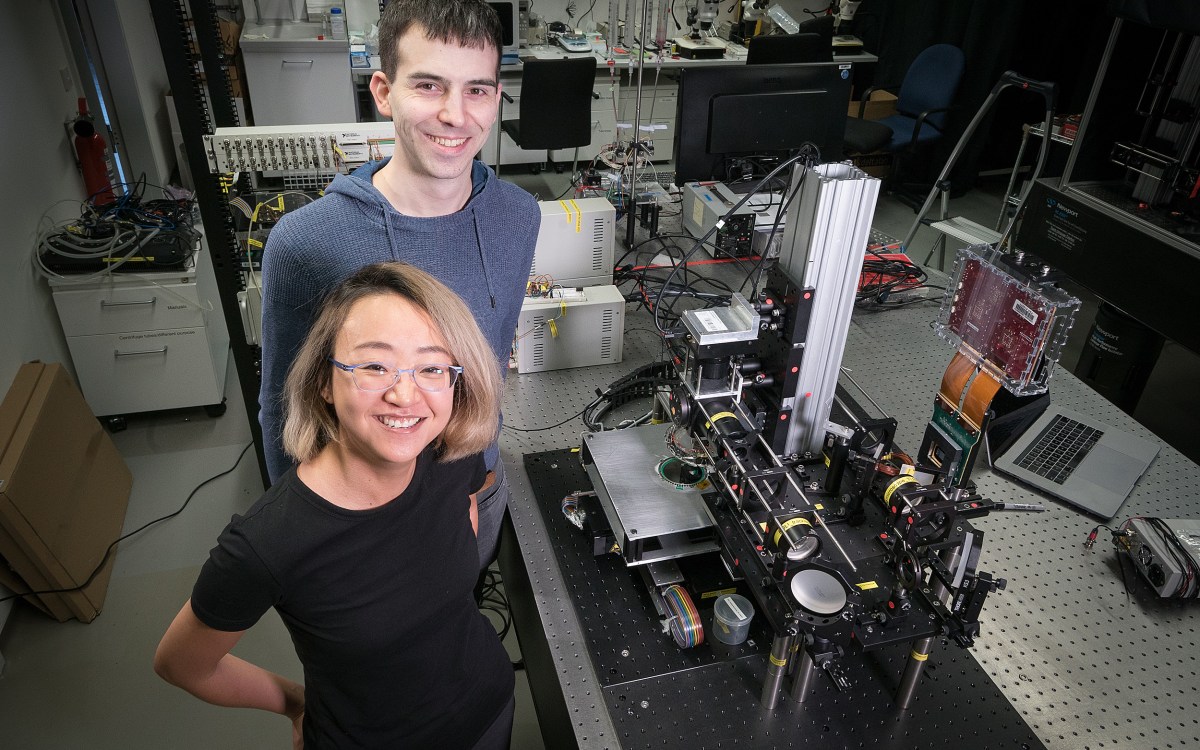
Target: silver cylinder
<point>776,668</point>
<point>912,671</point>
<point>806,670</point>
<point>921,648</point>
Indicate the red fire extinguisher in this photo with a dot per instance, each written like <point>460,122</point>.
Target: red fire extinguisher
<point>93,159</point>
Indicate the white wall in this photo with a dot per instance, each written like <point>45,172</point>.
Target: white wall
<point>289,9</point>
<point>38,166</point>
<point>132,57</point>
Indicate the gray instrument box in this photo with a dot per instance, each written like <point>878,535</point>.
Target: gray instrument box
<point>651,519</point>
<point>1154,561</point>
<point>581,328</point>
<point>576,242</point>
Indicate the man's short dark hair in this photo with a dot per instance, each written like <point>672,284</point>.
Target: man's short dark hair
<point>467,23</point>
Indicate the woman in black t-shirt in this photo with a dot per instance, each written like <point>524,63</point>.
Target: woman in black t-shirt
<point>366,549</point>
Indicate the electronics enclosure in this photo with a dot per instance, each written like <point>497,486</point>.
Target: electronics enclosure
<point>729,112</point>
<point>588,330</point>
<point>1151,556</point>
<point>1008,322</point>
<point>705,204</point>
<point>576,241</point>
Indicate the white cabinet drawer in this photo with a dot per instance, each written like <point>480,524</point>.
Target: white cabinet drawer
<point>86,312</point>
<point>121,373</point>
<point>300,87</point>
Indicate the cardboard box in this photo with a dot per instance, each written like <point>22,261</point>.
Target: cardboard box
<point>880,105</point>
<point>236,74</point>
<point>231,34</point>
<point>229,30</point>
<point>64,489</point>
<point>877,164</point>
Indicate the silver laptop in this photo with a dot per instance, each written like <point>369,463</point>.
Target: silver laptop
<point>1078,459</point>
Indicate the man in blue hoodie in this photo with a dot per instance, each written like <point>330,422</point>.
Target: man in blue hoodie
<point>431,205</point>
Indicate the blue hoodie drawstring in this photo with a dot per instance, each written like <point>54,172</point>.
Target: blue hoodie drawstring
<point>387,225</point>
<point>383,214</point>
<point>482,260</point>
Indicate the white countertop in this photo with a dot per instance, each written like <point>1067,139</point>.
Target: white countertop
<point>288,36</point>
<point>735,55</point>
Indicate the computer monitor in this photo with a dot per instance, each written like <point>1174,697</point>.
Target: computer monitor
<point>822,25</point>
<point>789,48</point>
<point>509,13</point>
<point>727,115</point>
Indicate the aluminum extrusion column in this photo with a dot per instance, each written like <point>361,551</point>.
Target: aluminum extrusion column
<point>823,247</point>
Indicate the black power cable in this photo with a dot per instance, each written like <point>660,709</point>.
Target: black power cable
<point>108,552</point>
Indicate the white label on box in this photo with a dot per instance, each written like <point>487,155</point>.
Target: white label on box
<point>1025,312</point>
<point>698,212</point>
<point>711,321</point>
<point>737,612</point>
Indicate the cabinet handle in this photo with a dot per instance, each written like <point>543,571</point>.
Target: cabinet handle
<point>117,353</point>
<point>297,62</point>
<point>106,303</point>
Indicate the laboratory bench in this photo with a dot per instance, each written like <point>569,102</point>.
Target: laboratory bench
<point>1076,652</point>
<point>296,78</point>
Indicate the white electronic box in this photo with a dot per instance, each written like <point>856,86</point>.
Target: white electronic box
<point>576,243</point>
<point>576,328</point>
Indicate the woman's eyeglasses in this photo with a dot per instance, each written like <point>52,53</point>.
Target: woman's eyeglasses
<point>376,376</point>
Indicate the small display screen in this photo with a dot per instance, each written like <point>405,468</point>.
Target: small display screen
<point>508,14</point>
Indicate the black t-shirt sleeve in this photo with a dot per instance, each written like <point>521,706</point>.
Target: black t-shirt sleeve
<point>478,472</point>
<point>235,587</point>
<point>472,471</point>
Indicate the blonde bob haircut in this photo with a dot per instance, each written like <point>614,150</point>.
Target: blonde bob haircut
<point>310,422</point>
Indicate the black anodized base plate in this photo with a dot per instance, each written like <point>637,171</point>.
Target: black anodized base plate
<point>659,695</point>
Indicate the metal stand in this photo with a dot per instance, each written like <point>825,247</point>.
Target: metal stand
<point>919,655</point>
<point>199,111</point>
<point>781,648</point>
<point>941,185</point>
<point>631,216</point>
<point>806,670</point>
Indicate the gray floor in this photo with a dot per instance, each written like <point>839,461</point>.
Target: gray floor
<point>71,685</point>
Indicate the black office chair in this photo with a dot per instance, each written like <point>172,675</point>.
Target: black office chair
<point>555,108</point>
<point>925,96</point>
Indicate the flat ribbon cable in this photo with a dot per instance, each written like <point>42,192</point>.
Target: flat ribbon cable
<point>960,409</point>
<point>967,392</point>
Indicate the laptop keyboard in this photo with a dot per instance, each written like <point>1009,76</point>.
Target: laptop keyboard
<point>1059,448</point>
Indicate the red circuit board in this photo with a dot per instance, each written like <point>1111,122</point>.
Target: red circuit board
<point>1000,320</point>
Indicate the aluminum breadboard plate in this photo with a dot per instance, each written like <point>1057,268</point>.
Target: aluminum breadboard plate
<point>620,624</point>
<point>1086,651</point>
<point>658,695</point>
<point>956,707</point>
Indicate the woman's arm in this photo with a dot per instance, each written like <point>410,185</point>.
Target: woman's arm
<point>195,657</point>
